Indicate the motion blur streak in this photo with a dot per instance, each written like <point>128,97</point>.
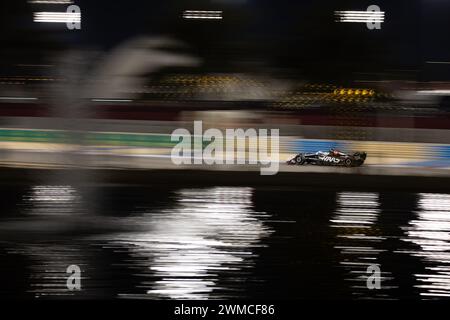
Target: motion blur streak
<point>92,91</point>
<point>222,242</point>
<point>430,231</point>
<point>358,241</point>
<point>202,14</point>
<point>53,200</point>
<point>209,231</point>
<point>359,16</point>
<point>48,264</point>
<point>51,1</point>
<point>62,17</point>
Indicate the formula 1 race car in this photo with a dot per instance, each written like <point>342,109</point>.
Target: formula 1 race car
<point>330,158</point>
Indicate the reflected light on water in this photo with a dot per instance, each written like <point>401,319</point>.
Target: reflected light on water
<point>210,231</point>
<point>52,200</point>
<point>48,265</point>
<point>52,206</point>
<point>357,240</point>
<point>53,193</point>
<point>430,231</point>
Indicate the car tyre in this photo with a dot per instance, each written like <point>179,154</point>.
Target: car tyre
<point>299,160</point>
<point>348,162</point>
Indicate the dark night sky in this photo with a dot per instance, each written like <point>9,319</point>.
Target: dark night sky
<point>289,34</point>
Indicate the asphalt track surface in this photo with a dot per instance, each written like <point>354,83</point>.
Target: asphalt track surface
<point>304,177</point>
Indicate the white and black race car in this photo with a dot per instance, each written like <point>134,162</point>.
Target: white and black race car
<point>330,158</point>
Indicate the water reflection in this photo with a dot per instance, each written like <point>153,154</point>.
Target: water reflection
<point>60,200</point>
<point>48,262</point>
<point>206,243</point>
<point>210,231</point>
<point>358,241</point>
<point>51,209</point>
<point>430,231</point>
